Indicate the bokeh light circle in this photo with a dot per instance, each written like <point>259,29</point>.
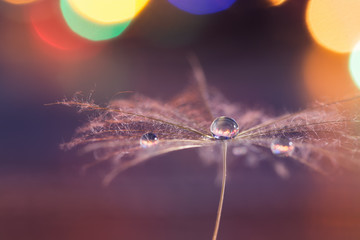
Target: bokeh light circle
<point>355,65</point>
<point>18,2</point>
<point>200,7</point>
<point>50,26</point>
<point>108,11</point>
<point>276,3</point>
<point>88,29</point>
<point>334,24</point>
<point>326,75</point>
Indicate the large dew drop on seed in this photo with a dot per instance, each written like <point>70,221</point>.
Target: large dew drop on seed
<point>224,128</point>
<point>282,147</point>
<point>148,140</point>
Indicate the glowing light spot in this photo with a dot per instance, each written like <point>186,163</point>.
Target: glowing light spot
<point>49,25</point>
<point>200,7</point>
<point>19,1</point>
<point>334,24</point>
<point>108,11</point>
<point>90,30</point>
<point>326,75</point>
<point>355,65</point>
<point>276,3</point>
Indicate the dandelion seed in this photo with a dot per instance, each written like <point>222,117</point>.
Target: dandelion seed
<point>325,137</point>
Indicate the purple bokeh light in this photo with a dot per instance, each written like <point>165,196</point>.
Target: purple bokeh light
<point>200,7</point>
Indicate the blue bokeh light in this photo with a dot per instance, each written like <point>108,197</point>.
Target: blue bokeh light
<point>200,7</point>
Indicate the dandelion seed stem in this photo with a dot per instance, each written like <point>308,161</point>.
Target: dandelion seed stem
<point>221,201</point>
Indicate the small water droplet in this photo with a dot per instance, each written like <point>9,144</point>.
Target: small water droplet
<point>224,128</point>
<point>148,140</point>
<point>282,147</point>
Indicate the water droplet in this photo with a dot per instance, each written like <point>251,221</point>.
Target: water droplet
<point>148,140</point>
<point>282,147</point>
<point>224,128</point>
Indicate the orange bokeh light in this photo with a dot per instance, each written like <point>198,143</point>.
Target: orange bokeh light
<point>19,1</point>
<point>334,24</point>
<point>275,3</point>
<point>326,75</point>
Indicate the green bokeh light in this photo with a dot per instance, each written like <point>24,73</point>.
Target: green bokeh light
<point>354,65</point>
<point>90,30</point>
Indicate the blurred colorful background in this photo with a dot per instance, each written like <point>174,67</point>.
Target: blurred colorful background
<point>272,54</point>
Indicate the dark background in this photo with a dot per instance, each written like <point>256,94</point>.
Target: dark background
<point>252,52</point>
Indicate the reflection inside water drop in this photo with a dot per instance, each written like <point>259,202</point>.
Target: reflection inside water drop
<point>282,147</point>
<point>224,128</point>
<point>148,140</point>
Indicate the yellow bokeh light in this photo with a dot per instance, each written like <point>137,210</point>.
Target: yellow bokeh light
<point>108,11</point>
<point>19,1</point>
<point>275,3</point>
<point>334,24</point>
<point>354,65</point>
<point>326,75</point>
